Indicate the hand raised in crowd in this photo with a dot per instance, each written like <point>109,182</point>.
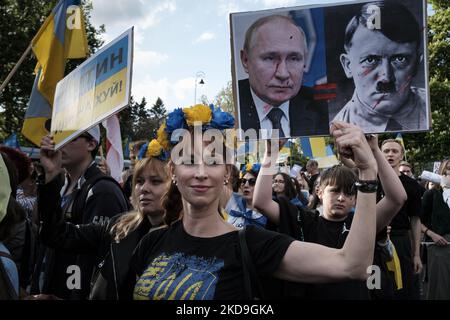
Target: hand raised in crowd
<point>51,159</point>
<point>372,140</point>
<point>352,144</point>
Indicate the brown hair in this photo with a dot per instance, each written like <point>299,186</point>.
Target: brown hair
<point>130,221</point>
<point>406,164</point>
<point>289,187</point>
<point>172,204</point>
<point>399,24</point>
<point>340,177</point>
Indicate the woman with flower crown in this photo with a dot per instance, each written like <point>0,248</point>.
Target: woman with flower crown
<point>197,255</point>
<point>113,242</point>
<point>240,206</point>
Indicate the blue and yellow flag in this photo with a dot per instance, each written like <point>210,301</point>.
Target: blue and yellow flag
<point>61,37</point>
<point>313,147</point>
<point>317,149</point>
<point>399,138</point>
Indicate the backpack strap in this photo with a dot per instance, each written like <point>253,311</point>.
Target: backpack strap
<point>81,198</point>
<point>250,275</point>
<point>6,255</point>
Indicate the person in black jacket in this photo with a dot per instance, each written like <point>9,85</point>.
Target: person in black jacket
<point>112,242</point>
<point>87,196</point>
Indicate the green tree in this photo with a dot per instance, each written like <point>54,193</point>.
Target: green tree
<point>139,123</point>
<point>297,156</point>
<point>423,148</point>
<point>20,21</point>
<point>127,120</point>
<point>224,98</point>
<point>142,126</point>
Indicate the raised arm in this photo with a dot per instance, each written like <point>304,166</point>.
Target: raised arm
<point>54,231</point>
<point>262,195</point>
<point>307,262</point>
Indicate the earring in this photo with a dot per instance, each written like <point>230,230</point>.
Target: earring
<point>225,182</point>
<point>174,181</point>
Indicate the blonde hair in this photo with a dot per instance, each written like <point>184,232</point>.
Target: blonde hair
<point>443,168</point>
<point>130,221</point>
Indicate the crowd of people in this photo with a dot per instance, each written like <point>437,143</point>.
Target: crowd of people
<point>189,222</point>
<point>69,231</point>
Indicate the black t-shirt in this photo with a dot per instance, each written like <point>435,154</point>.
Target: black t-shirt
<point>171,264</point>
<point>412,206</point>
<point>316,229</point>
<point>309,226</point>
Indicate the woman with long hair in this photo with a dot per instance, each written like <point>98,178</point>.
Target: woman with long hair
<point>113,242</point>
<point>285,186</point>
<point>436,228</point>
<point>198,255</point>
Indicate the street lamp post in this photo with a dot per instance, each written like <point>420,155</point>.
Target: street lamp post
<point>201,75</point>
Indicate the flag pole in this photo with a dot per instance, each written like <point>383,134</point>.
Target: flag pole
<point>13,71</point>
<point>102,155</point>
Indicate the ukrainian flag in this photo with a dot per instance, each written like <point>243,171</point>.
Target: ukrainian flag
<point>317,149</point>
<point>61,37</point>
<point>285,152</point>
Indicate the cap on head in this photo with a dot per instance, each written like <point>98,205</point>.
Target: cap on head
<point>94,132</point>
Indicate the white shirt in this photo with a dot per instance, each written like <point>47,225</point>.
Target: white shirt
<point>263,110</point>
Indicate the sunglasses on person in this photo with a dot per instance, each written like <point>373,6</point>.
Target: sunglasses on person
<point>251,181</point>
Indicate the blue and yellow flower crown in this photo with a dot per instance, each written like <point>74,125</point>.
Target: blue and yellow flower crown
<point>210,117</point>
<point>251,168</point>
<point>153,149</point>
